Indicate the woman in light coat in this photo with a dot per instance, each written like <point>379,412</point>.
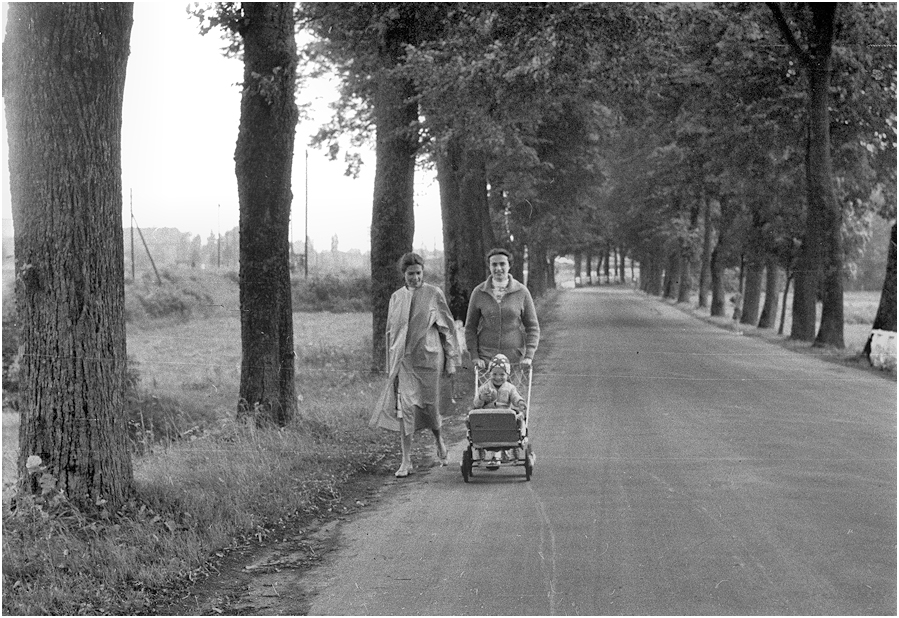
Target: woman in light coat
<point>421,345</point>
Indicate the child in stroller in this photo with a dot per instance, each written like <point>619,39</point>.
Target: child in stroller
<point>498,392</point>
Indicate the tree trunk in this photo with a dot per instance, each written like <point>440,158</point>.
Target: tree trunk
<point>536,269</point>
<point>783,306</point>
<point>685,285</point>
<point>63,85</point>
<point>716,268</point>
<point>621,270</point>
<point>752,291</point>
<point>886,311</point>
<point>263,162</point>
<point>705,270</point>
<point>823,204</point>
<point>392,218</point>
<point>588,269</point>
<point>578,258</point>
<point>607,251</point>
<point>672,274</point>
<point>772,292</point>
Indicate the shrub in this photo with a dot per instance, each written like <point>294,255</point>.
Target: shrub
<point>177,296</point>
<point>330,293</point>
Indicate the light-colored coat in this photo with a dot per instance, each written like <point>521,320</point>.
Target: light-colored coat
<point>421,344</point>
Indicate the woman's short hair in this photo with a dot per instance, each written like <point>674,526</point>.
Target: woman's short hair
<point>410,259</point>
<point>499,251</point>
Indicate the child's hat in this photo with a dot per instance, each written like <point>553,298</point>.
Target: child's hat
<point>501,360</point>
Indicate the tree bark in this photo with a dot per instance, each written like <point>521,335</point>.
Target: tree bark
<point>672,274</point>
<point>263,163</point>
<point>772,293</point>
<point>822,201</point>
<point>705,269</point>
<point>578,258</point>
<point>716,267</point>
<point>685,284</point>
<point>396,144</point>
<point>63,85</point>
<point>752,291</point>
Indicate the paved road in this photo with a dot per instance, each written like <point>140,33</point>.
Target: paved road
<point>681,469</point>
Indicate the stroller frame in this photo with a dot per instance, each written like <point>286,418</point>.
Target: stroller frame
<point>497,429</point>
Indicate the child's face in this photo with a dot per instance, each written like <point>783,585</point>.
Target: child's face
<point>498,376</point>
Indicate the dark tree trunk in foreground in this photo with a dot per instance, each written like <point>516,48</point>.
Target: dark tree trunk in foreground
<point>886,311</point>
<point>821,256</point>
<point>772,292</point>
<point>392,217</point>
<point>752,291</point>
<point>264,157</point>
<point>63,84</point>
<point>467,230</point>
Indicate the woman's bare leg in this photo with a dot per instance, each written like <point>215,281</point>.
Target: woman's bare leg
<point>406,447</point>
<point>441,447</point>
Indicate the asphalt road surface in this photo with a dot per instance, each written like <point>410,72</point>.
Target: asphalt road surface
<point>681,469</point>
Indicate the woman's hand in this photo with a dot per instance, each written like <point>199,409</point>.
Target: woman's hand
<point>526,362</point>
<point>480,364</point>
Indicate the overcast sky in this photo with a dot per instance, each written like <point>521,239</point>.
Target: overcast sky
<point>181,114</point>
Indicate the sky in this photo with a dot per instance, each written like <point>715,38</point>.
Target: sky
<point>179,129</point>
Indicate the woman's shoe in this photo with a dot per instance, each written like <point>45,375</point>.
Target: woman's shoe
<point>403,472</point>
<point>493,464</point>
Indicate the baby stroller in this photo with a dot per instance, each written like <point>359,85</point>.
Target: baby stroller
<point>497,430</point>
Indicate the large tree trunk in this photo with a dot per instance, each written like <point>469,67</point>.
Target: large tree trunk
<point>63,84</point>
<point>772,292</point>
<point>822,201</point>
<point>752,291</point>
<point>467,228</point>
<point>264,159</point>
<point>392,217</point>
<point>886,311</point>
<point>821,256</point>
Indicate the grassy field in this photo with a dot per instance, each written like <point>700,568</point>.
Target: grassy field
<point>206,485</point>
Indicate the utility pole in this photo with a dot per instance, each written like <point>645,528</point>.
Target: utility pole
<point>131,201</point>
<point>306,224</point>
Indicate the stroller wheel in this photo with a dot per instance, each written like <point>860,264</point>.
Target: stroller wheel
<point>466,464</point>
<point>528,463</point>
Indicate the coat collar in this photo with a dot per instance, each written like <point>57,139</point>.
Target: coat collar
<point>514,285</point>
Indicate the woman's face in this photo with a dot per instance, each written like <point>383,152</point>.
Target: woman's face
<point>415,276</point>
<point>499,267</point>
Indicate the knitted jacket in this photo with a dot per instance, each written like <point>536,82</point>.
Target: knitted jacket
<point>509,327</point>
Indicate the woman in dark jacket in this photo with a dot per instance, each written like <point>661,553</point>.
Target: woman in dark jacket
<point>501,317</point>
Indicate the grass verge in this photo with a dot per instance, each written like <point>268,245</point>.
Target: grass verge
<point>200,493</point>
